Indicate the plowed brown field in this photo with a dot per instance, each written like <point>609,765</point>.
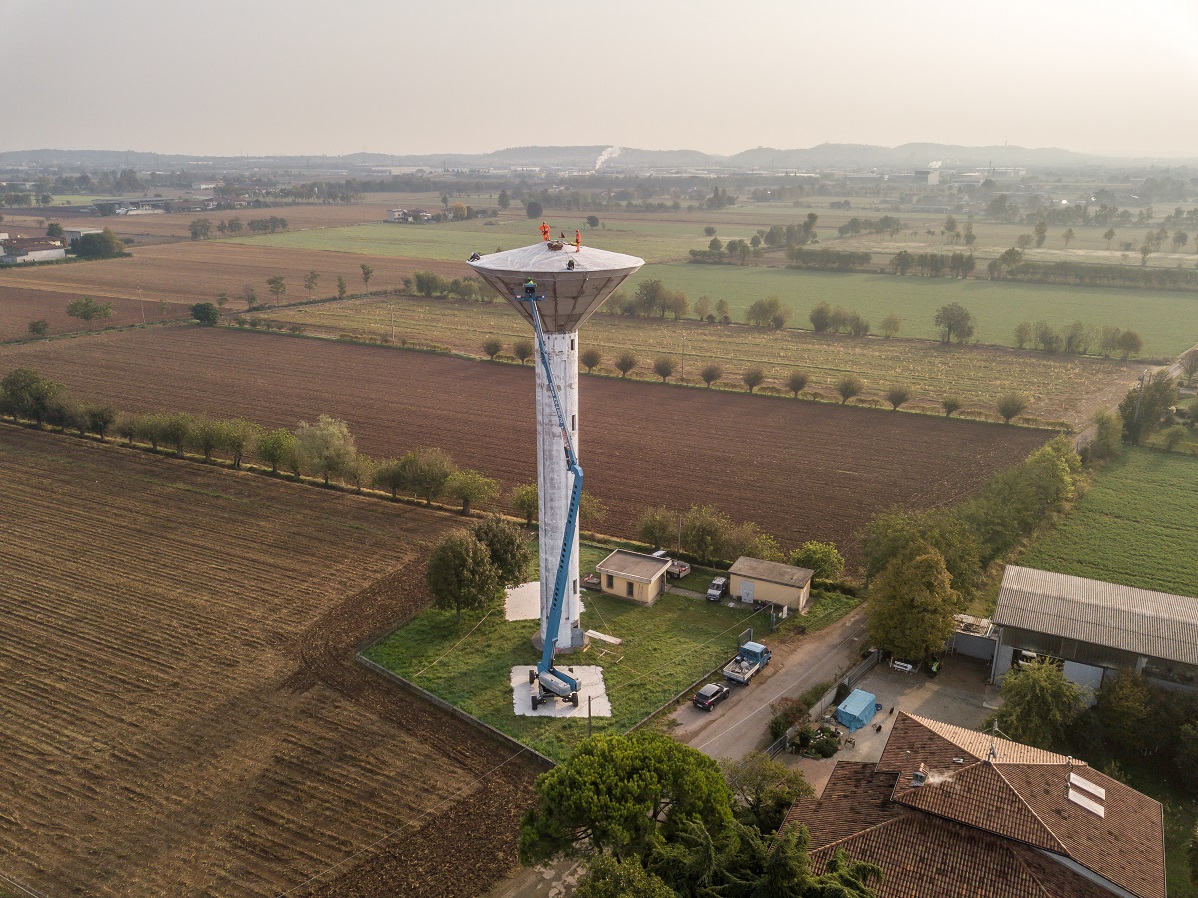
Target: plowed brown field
<point>197,272</point>
<point>802,470</point>
<point>181,715</point>
<point>19,307</point>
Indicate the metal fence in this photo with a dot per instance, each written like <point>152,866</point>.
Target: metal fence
<point>777,747</point>
<point>850,680</point>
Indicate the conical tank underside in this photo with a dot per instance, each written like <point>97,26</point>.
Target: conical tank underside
<point>572,294</point>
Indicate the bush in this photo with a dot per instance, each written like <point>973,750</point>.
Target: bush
<point>205,313</point>
<point>787,711</point>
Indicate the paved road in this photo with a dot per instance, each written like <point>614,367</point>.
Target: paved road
<point>738,725</point>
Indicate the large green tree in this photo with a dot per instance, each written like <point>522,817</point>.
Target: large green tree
<point>509,548</point>
<point>657,526</point>
<point>461,574</point>
<point>472,489</point>
<point>609,878</point>
<point>325,448</point>
<point>955,322</point>
<point>763,788</point>
<point>911,604</point>
<point>822,558</point>
<point>26,394</point>
<point>1039,705</point>
<point>1140,413</point>
<point>892,532</point>
<point>619,795</point>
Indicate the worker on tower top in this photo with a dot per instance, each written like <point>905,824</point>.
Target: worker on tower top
<point>577,241</point>
<point>544,231</point>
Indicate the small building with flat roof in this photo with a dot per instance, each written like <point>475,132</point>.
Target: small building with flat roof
<point>754,580</point>
<point>1095,627</point>
<point>631,575</point>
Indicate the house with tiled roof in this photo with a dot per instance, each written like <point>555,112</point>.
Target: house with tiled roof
<point>952,812</point>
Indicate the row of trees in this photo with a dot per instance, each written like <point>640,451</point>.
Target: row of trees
<point>1092,275</point>
<point>83,308</point>
<point>923,567</point>
<point>825,317</point>
<point>654,818</point>
<point>847,387</point>
<point>936,265</point>
<point>201,228</point>
<point>1077,338</point>
<point>325,449</point>
<point>825,259</point>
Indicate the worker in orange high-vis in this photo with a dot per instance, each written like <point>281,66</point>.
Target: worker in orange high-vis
<point>577,241</point>
<point>544,231</point>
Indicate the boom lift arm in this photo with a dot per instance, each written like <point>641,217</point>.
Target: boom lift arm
<point>551,679</point>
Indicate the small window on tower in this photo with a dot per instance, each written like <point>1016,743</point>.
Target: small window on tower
<point>573,422</point>
<point>575,587</point>
<point>571,344</point>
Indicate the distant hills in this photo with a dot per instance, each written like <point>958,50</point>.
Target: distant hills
<point>584,158</point>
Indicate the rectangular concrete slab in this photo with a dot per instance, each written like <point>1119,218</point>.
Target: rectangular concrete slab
<point>523,602</point>
<point>591,686</point>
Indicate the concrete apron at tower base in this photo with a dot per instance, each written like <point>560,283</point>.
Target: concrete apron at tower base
<point>554,483</point>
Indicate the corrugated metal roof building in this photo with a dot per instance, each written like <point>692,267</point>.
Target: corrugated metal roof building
<point>1094,626</point>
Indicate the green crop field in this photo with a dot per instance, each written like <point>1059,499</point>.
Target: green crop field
<point>1168,322</point>
<point>652,240</point>
<point>1060,388</point>
<point>1136,526</point>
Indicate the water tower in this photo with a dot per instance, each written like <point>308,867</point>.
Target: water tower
<point>572,281</point>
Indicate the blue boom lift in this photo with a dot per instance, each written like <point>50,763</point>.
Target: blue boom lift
<point>552,682</point>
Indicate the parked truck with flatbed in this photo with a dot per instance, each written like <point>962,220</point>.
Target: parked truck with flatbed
<point>751,658</point>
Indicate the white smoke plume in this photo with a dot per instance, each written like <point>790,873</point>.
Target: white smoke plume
<point>609,153</point>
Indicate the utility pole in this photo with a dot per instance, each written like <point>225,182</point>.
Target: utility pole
<point>391,306</point>
<point>679,532</point>
<point>684,357</point>
<point>588,717</point>
<point>142,305</point>
<point>1136,417</point>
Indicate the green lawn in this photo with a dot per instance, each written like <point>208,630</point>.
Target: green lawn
<point>665,648</point>
<point>1167,322</point>
<point>1136,526</point>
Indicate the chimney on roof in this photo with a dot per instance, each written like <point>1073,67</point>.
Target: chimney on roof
<point>919,777</point>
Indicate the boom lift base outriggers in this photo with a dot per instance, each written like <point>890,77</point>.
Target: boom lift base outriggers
<point>550,681</point>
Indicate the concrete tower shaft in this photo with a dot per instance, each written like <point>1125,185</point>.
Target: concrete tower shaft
<point>553,482</point>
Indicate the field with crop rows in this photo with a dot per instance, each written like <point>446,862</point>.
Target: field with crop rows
<point>197,272</point>
<point>651,240</point>
<point>802,470</point>
<point>181,712</point>
<point>1136,526</point>
<point>177,225</point>
<point>1059,389</point>
<point>1168,322</point>
<point>18,307</point>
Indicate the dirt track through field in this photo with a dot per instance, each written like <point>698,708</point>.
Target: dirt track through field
<point>181,711</point>
<point>801,470</point>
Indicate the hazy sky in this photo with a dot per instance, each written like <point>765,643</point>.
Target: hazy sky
<point>396,76</point>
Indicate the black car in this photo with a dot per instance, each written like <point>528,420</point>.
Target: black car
<point>706,698</point>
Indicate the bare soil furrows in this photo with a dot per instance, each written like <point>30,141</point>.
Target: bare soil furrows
<point>181,710</point>
<point>196,272</point>
<point>19,307</point>
<point>802,470</point>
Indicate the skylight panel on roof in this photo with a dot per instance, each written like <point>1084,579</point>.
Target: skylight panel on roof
<point>1081,799</point>
<point>1097,791</point>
